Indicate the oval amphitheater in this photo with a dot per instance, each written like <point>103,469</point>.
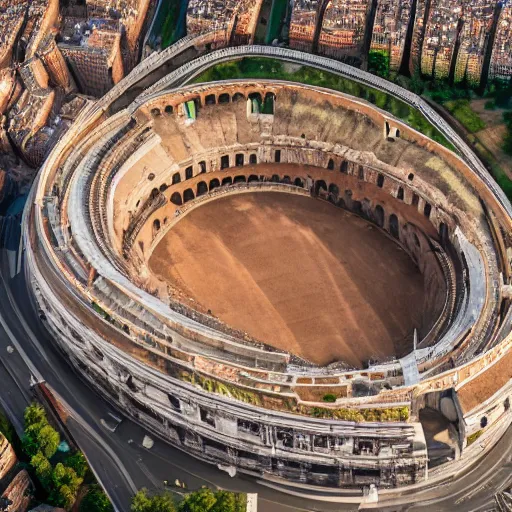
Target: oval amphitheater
<point>277,278</point>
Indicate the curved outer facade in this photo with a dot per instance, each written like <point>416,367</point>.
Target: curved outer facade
<point>210,390</point>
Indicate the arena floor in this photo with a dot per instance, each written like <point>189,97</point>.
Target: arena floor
<point>297,273</point>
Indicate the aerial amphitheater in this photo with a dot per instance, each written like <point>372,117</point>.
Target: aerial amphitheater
<point>279,279</point>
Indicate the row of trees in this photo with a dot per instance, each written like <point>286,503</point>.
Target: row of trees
<point>204,500</point>
<point>60,479</point>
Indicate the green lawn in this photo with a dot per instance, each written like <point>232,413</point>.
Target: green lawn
<point>257,67</point>
<point>462,111</point>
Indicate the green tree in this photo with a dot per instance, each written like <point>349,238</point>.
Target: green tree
<point>78,462</point>
<point>48,440</point>
<point>199,501</point>
<point>63,475</point>
<point>142,502</point>
<point>225,502</point>
<point>43,469</point>
<point>63,497</point>
<point>96,501</point>
<point>35,413</point>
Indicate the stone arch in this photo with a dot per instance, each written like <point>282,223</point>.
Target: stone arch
<point>334,192</point>
<point>360,172</point>
<point>427,209</point>
<point>252,178</point>
<point>154,193</point>
<point>169,109</point>
<point>287,180</point>
<point>344,167</point>
<point>224,98</point>
<point>188,195</point>
<point>227,181</point>
<point>176,178</point>
<point>224,161</point>
<point>189,172</point>
<point>256,102</point>
<point>163,187</point>
<point>319,185</point>
<point>214,183</point>
<point>400,193</point>
<point>155,112</point>
<point>275,178</point>
<point>202,167</point>
<point>330,164</point>
<point>379,215</point>
<point>156,226</point>
<point>202,188</point>
<point>444,234</point>
<point>239,159</point>
<point>176,199</point>
<point>298,182</point>
<point>237,97</point>
<point>394,226</point>
<point>269,104</point>
<point>253,159</point>
<point>380,180</point>
<point>239,179</point>
<point>210,99</point>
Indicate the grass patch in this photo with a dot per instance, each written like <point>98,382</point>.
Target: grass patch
<point>473,437</point>
<point>462,111</point>
<point>260,67</point>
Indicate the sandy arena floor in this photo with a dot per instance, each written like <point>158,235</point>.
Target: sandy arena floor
<point>297,273</point>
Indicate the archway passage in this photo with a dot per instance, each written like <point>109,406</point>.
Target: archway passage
<point>328,286</point>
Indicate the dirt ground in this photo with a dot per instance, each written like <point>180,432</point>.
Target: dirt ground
<point>297,273</point>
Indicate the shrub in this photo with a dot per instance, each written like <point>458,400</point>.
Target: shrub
<point>329,398</point>
<point>96,501</point>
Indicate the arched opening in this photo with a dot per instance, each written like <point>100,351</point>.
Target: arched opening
<point>287,180</point>
<point>155,112</point>
<point>238,96</point>
<point>277,156</point>
<point>163,187</point>
<point>275,178</point>
<point>154,193</point>
<point>394,228</point>
<point>253,178</point>
<point>443,234</point>
<point>253,159</point>
<point>176,178</point>
<point>214,183</point>
<point>268,106</point>
<point>224,162</point>
<point>379,216</point>
<point>298,182</point>
<point>202,188</point>
<point>330,164</point>
<point>239,159</point>
<point>239,179</point>
<point>320,185</point>
<point>168,109</point>
<point>483,422</point>
<point>151,176</point>
<point>227,181</point>
<point>415,199</point>
<point>344,167</point>
<point>156,226</point>
<point>176,199</point>
<point>427,209</point>
<point>189,172</point>
<point>224,98</point>
<point>400,193</point>
<point>410,177</point>
<point>210,99</point>
<point>334,192</point>
<point>202,167</point>
<point>256,102</point>
<point>380,180</point>
<point>188,195</point>
<point>360,172</point>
